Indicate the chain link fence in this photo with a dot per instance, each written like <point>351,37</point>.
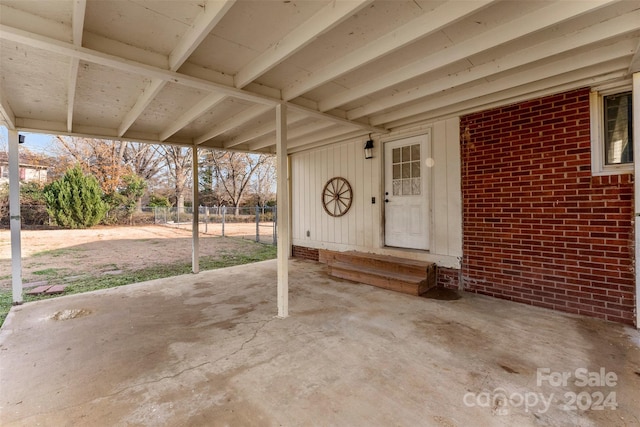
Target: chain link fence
<point>248,222</point>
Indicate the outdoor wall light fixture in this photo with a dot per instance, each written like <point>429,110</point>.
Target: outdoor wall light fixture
<point>368,148</point>
<point>21,139</point>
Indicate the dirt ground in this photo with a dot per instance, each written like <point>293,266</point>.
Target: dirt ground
<point>111,249</point>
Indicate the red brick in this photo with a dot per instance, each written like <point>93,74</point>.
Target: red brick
<point>538,229</point>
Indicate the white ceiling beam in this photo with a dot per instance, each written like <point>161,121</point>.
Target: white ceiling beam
<point>55,29</point>
<point>126,65</point>
<point>191,114</point>
<point>337,120</point>
<point>519,27</point>
<point>420,27</point>
<point>634,67</point>
<point>149,71</point>
<point>148,94</point>
<point>59,128</point>
<point>79,8</point>
<point>550,86</point>
<point>324,20</point>
<point>72,82</point>
<point>213,12</point>
<point>122,50</point>
<point>321,135</point>
<point>232,122</point>
<point>254,133</point>
<point>7,113</point>
<point>77,29</point>
<point>327,141</point>
<point>606,30</point>
<point>292,134</point>
<point>261,130</point>
<point>317,129</point>
<point>609,55</point>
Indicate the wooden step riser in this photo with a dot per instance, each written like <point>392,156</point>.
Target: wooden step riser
<point>411,288</point>
<point>390,265</point>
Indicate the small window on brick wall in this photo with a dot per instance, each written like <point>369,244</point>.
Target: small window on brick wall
<point>611,133</point>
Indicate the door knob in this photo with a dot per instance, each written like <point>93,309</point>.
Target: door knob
<point>386,200</point>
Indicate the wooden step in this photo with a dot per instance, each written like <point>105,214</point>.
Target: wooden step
<point>378,262</point>
<point>393,273</point>
<point>408,284</point>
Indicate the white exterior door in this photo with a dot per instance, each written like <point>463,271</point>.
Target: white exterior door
<point>406,165</point>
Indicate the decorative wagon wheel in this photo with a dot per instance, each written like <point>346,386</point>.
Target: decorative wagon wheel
<point>337,196</point>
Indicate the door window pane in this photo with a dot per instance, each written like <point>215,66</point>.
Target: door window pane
<point>396,155</point>
<point>415,170</point>
<point>406,170</point>
<point>396,187</point>
<point>406,154</point>
<point>415,186</point>
<point>415,152</point>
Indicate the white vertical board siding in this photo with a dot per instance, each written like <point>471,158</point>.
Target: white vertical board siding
<point>454,187</point>
<point>439,212</point>
<point>447,193</point>
<point>361,227</point>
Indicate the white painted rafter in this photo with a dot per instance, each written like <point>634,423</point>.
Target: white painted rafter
<point>608,29</point>
<point>260,131</point>
<point>545,17</point>
<point>337,120</point>
<point>77,25</point>
<point>126,65</point>
<point>232,122</point>
<point>550,86</point>
<point>7,113</point>
<point>320,135</point>
<point>77,28</point>
<point>339,137</point>
<point>324,20</point>
<point>68,49</point>
<point>293,133</point>
<point>420,27</point>
<point>213,12</point>
<point>634,66</point>
<point>148,94</point>
<point>191,114</point>
<point>610,56</point>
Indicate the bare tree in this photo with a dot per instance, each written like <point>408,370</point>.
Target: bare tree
<point>263,185</point>
<point>145,161</point>
<point>233,172</point>
<point>178,162</point>
<point>102,158</point>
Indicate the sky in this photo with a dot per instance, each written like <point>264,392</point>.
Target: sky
<point>33,141</point>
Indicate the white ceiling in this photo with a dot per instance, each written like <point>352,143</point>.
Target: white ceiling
<point>210,73</point>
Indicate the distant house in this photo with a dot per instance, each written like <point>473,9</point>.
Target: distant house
<point>32,169</point>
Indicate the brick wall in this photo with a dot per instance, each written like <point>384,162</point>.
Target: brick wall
<point>537,227</point>
<point>448,278</point>
<point>305,253</point>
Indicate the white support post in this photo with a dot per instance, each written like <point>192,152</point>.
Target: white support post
<point>636,163</point>
<point>283,210</point>
<point>14,212</point>
<point>195,252</point>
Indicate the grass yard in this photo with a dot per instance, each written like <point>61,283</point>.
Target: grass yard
<point>88,260</point>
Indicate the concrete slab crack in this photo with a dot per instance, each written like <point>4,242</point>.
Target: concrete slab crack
<point>242,346</point>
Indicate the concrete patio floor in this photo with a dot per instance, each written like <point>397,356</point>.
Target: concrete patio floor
<point>206,349</point>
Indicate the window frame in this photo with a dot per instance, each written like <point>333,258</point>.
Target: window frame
<point>596,105</point>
